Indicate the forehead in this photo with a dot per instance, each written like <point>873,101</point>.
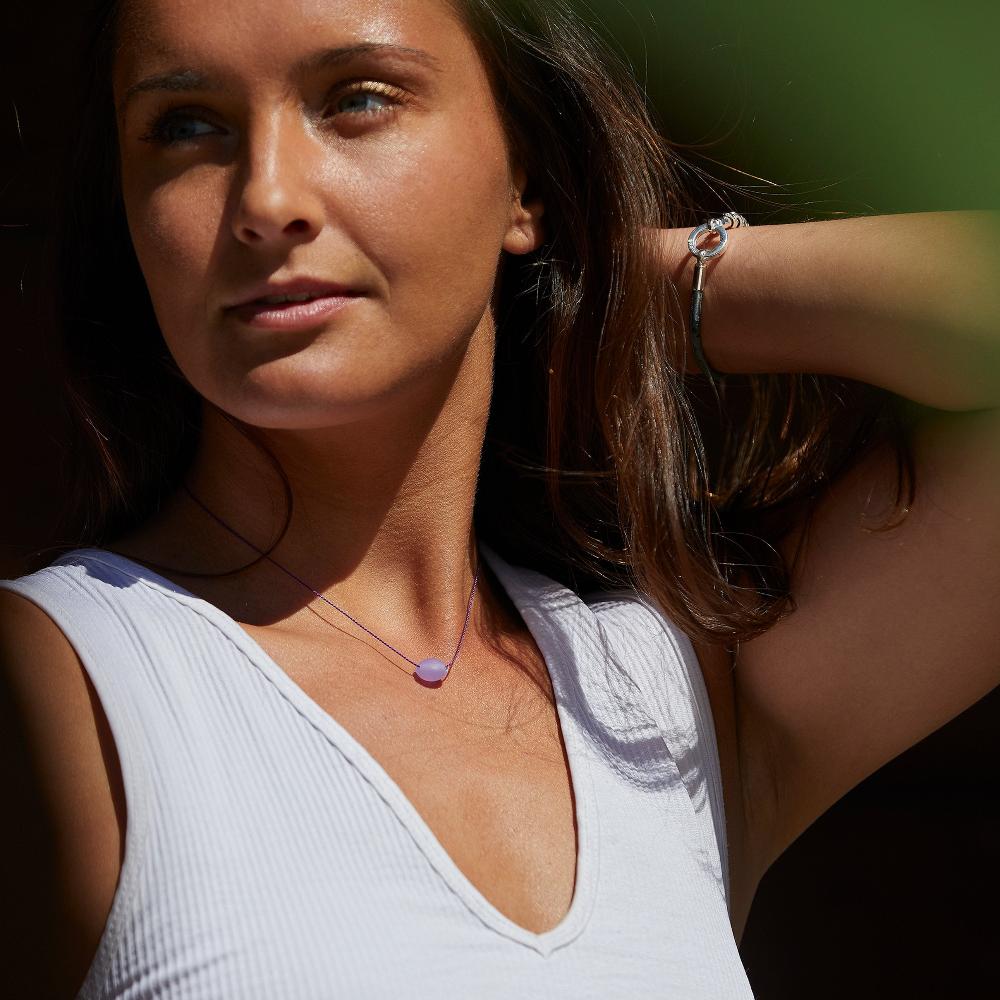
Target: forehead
<point>267,36</point>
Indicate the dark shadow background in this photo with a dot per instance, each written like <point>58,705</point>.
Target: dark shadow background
<point>843,108</point>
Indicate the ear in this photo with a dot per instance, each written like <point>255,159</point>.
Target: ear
<point>524,230</point>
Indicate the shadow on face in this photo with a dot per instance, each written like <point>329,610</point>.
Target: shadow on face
<point>343,161</point>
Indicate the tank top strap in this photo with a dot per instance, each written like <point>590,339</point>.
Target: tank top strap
<point>82,598</point>
<point>86,600</point>
<point>660,659</point>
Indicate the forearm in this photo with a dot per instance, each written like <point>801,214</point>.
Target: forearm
<point>910,303</point>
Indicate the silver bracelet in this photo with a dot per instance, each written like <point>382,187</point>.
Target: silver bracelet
<point>731,220</point>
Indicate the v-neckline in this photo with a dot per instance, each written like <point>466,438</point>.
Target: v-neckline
<point>566,633</point>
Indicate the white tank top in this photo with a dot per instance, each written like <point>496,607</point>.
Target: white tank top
<point>268,856</point>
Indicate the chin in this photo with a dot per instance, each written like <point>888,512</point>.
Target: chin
<point>303,401</point>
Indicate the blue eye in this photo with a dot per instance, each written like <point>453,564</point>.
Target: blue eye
<point>367,99</point>
<point>363,101</point>
<point>174,128</point>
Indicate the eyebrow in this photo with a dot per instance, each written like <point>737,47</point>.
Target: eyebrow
<point>181,79</point>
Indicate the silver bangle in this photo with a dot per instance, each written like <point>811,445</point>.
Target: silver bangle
<point>731,220</point>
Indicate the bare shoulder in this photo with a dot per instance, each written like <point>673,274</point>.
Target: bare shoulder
<point>61,785</point>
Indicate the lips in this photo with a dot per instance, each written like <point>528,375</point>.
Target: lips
<point>293,288</point>
<point>297,304</point>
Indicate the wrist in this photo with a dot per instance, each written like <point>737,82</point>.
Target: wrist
<point>706,266</point>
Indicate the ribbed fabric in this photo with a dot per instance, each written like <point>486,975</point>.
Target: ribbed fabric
<point>269,856</point>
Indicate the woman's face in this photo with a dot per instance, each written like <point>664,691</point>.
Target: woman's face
<point>352,145</point>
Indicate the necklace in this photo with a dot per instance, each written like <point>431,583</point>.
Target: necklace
<point>430,670</point>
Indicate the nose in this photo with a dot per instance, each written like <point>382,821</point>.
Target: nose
<point>277,200</point>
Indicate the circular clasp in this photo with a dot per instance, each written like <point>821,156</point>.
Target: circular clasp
<point>719,225</point>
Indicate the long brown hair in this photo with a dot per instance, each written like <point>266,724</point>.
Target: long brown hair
<point>603,465</point>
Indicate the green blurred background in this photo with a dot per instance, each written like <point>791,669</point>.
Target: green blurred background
<point>849,108</point>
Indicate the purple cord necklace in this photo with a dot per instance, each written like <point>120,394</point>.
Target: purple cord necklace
<point>429,670</point>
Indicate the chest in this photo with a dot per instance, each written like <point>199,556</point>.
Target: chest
<point>485,766</point>
<point>482,759</point>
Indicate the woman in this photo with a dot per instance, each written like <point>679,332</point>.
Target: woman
<point>370,316</point>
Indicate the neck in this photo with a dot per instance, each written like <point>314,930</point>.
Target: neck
<point>382,517</point>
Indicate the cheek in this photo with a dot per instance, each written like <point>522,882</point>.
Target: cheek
<point>175,232</point>
<point>174,228</point>
<point>438,211</point>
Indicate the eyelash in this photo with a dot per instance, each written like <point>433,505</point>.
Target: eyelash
<point>158,132</point>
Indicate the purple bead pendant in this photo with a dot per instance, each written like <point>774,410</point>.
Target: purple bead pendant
<point>431,671</point>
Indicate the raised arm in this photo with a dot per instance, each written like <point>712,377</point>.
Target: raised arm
<point>910,303</point>
<point>895,632</point>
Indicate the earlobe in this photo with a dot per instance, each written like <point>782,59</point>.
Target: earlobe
<point>523,238</point>
<point>525,232</point>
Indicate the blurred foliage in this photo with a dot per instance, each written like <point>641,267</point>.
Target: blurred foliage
<point>854,107</point>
